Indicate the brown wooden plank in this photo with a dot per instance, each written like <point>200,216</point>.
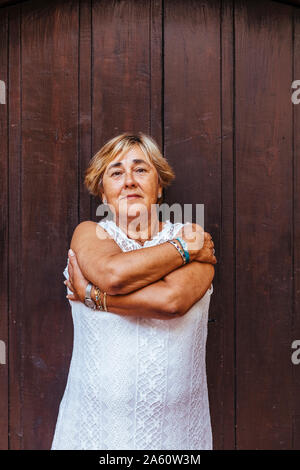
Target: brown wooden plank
<point>4,238</point>
<point>193,146</point>
<point>121,71</point>
<point>156,71</point>
<point>16,337</point>
<point>226,264</point>
<point>263,158</point>
<point>296,236</point>
<point>49,208</point>
<point>85,105</point>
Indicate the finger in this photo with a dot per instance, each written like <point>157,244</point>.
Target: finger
<point>71,255</point>
<point>70,286</point>
<point>73,261</point>
<point>70,269</point>
<point>72,297</point>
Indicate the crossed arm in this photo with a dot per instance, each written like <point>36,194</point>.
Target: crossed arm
<point>167,288</point>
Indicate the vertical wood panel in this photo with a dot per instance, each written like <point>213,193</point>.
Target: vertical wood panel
<point>263,223</point>
<point>193,145</point>
<point>49,207</point>
<point>156,72</point>
<point>121,71</point>
<point>296,236</point>
<point>225,308</point>
<point>16,310</point>
<point>81,72</point>
<point>4,237</point>
<point>85,105</point>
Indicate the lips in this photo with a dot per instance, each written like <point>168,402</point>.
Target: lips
<point>132,195</point>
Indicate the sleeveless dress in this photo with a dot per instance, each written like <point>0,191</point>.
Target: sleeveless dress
<point>136,383</point>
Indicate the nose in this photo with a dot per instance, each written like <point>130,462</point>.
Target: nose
<point>129,179</point>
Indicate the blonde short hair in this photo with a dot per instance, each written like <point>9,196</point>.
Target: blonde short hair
<point>121,144</point>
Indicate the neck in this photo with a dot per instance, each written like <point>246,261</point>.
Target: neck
<point>140,229</point>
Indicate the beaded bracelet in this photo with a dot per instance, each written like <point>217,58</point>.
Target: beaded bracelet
<point>185,248</point>
<point>98,297</point>
<point>179,249</point>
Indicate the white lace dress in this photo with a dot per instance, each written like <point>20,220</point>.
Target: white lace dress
<point>136,383</point>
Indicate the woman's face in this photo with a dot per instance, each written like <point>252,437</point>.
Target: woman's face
<point>132,173</point>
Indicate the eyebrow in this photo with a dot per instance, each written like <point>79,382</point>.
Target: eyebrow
<point>135,160</point>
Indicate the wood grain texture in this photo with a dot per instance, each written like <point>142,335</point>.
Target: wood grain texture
<point>49,155</point>
<point>4,245</point>
<point>85,106</point>
<point>224,302</point>
<point>296,235</point>
<point>16,310</point>
<point>264,201</point>
<point>192,124</point>
<point>211,82</point>
<point>126,53</point>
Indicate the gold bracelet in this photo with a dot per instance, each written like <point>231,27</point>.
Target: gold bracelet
<point>98,298</point>
<point>104,301</point>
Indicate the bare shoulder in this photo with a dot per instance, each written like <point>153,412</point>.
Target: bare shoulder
<point>88,228</point>
<point>90,237</point>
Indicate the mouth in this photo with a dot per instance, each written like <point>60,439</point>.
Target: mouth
<point>132,196</point>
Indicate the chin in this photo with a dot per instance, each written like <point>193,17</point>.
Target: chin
<point>134,208</point>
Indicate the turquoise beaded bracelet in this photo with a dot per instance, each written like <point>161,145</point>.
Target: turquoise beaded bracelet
<point>185,249</point>
<point>179,249</point>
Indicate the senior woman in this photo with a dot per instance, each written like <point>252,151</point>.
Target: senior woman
<point>140,300</point>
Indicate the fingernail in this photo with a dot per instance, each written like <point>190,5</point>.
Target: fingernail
<point>71,252</point>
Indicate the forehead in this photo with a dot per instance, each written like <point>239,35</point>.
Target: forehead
<point>131,156</point>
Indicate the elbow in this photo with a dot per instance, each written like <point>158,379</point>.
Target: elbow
<point>211,274</point>
<point>173,305</point>
<point>110,279</point>
<point>116,285</point>
<point>113,288</point>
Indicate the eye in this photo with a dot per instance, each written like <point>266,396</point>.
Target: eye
<point>119,172</point>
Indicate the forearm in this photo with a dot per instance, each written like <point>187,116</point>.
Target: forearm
<point>142,267</point>
<point>153,301</point>
<point>171,296</point>
<point>190,282</point>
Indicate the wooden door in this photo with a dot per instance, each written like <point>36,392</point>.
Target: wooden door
<point>211,82</point>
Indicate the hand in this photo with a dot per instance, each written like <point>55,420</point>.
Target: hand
<point>207,252</point>
<point>77,282</point>
<point>199,243</point>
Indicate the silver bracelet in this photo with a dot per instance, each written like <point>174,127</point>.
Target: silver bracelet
<point>179,250</point>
